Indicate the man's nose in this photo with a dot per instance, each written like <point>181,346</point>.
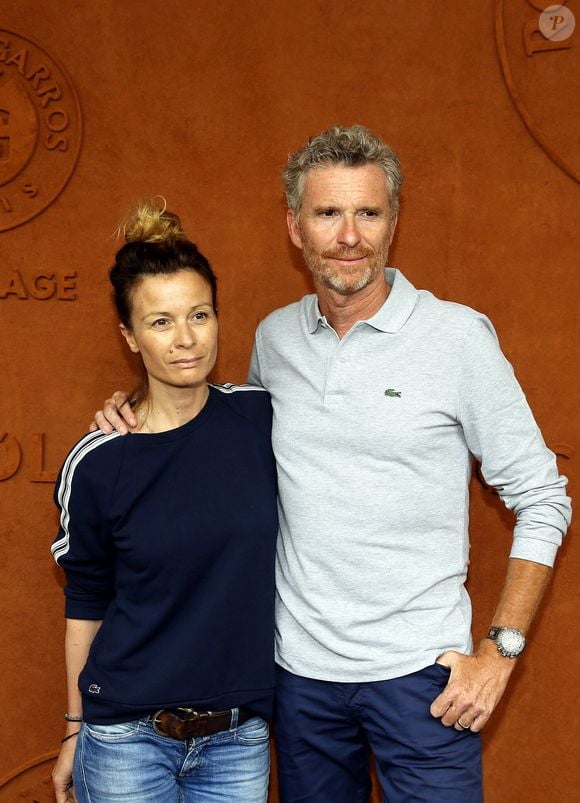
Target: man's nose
<point>348,233</point>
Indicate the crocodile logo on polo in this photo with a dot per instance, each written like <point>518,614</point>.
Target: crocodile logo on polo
<point>393,392</point>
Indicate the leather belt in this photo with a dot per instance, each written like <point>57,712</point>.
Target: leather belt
<point>185,723</point>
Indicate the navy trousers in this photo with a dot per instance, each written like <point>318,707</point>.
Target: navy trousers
<point>326,732</point>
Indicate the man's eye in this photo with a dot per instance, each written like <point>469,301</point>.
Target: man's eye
<point>328,212</point>
<point>370,213</point>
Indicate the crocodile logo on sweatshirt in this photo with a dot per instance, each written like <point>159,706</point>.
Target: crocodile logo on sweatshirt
<point>393,392</point>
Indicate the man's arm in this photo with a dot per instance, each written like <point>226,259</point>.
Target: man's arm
<point>478,681</point>
<point>501,433</point>
<point>254,372</point>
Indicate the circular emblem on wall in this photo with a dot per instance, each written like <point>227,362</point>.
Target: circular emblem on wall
<point>32,781</point>
<point>40,129</point>
<point>539,48</point>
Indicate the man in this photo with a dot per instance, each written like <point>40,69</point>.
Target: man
<point>382,395</point>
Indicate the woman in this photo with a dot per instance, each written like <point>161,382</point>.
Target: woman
<point>167,538</point>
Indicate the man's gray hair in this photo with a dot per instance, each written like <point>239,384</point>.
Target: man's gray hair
<point>340,145</point>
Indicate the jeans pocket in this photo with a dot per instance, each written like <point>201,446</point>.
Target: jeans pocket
<point>120,731</point>
<point>254,731</point>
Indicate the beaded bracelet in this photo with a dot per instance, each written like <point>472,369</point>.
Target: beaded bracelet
<point>66,738</point>
<point>72,718</point>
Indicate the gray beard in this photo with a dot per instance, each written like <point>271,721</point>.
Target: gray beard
<point>345,282</point>
<point>342,284</point>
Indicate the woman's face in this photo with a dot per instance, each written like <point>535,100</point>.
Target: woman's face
<point>174,328</point>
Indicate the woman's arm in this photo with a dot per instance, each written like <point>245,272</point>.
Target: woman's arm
<point>78,639</point>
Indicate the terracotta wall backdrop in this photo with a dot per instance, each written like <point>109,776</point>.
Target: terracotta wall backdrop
<point>202,102</point>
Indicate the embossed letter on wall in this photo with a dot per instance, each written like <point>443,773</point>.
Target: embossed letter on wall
<point>11,458</point>
<point>40,129</point>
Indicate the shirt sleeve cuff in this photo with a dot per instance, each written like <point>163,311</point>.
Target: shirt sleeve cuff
<point>534,549</point>
<point>94,611</point>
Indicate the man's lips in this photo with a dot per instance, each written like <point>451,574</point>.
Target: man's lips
<point>346,258</point>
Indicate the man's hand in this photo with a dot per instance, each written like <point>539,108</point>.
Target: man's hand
<point>475,687</point>
<point>478,681</point>
<point>116,415</point>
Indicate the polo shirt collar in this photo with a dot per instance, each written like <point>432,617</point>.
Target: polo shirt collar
<point>392,315</point>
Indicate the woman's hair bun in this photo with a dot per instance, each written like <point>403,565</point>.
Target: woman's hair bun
<point>156,245</point>
<point>150,222</point>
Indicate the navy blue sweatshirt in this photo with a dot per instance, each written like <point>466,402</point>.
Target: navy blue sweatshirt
<point>169,538</point>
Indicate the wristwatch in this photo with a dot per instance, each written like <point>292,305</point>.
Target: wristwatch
<point>509,641</point>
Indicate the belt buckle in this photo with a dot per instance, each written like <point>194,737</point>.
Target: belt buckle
<point>155,720</point>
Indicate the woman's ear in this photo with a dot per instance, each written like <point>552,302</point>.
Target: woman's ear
<point>130,338</point>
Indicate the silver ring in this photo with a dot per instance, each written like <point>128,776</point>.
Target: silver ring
<point>462,726</point>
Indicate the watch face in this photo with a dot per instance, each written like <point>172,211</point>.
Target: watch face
<point>510,642</point>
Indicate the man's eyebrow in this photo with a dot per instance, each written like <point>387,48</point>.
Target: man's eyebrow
<point>362,208</point>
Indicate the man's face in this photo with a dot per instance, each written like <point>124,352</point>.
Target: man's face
<point>345,227</point>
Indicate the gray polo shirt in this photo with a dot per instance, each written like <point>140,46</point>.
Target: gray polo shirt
<point>374,436</point>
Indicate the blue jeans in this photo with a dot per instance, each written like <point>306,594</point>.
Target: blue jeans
<point>326,732</point>
<point>131,763</point>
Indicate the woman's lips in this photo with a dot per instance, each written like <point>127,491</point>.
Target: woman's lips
<point>187,363</point>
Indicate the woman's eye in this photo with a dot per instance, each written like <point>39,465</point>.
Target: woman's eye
<point>160,322</point>
<point>200,316</point>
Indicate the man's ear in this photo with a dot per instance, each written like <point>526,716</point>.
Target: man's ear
<point>130,338</point>
<point>394,222</point>
<point>293,230</point>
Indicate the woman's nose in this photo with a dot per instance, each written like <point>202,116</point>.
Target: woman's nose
<point>184,336</point>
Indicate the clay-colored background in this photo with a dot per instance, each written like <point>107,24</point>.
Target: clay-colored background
<point>202,102</point>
